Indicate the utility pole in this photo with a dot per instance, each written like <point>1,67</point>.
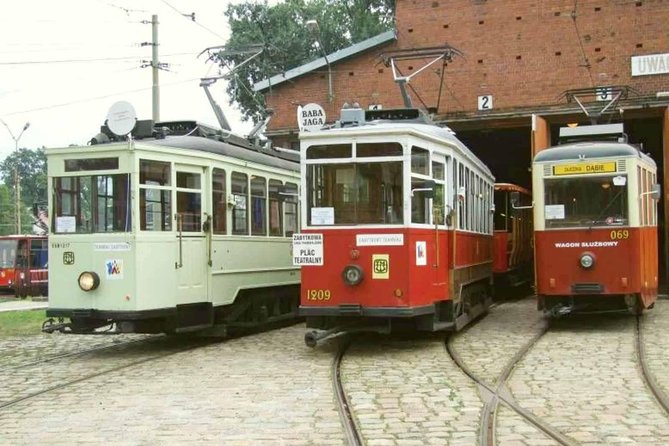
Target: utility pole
<point>17,179</point>
<point>155,66</point>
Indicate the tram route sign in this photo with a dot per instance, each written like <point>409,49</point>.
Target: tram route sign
<point>307,249</point>
<point>311,117</point>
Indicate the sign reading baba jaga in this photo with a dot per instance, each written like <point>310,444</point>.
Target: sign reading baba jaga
<point>311,117</point>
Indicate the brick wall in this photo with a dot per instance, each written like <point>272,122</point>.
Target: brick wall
<point>525,53</point>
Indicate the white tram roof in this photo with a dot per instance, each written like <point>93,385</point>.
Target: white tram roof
<point>225,149</point>
<point>589,150</point>
<point>411,127</point>
<point>201,144</point>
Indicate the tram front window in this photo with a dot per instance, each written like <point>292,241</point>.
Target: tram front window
<point>355,193</point>
<point>586,202</point>
<point>91,204</point>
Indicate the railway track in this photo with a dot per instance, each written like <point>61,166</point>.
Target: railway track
<point>495,393</point>
<point>70,354</point>
<point>655,388</point>
<point>36,384</point>
<point>351,430</point>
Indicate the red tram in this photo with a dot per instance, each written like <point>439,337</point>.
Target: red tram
<point>595,219</point>
<point>23,265</point>
<point>397,226</point>
<point>512,242</point>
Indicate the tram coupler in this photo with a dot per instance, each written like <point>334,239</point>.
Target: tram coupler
<point>560,311</point>
<point>311,338</point>
<point>50,325</point>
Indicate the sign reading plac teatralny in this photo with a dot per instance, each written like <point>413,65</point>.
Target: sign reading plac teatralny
<point>650,64</point>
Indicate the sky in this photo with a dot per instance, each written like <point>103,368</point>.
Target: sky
<point>63,64</point>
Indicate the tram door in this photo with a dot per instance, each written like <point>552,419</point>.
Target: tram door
<point>192,267</point>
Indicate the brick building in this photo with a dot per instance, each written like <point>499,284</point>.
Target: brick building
<point>520,69</point>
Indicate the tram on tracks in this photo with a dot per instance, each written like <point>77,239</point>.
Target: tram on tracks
<point>595,222</point>
<point>24,265</point>
<point>513,249</point>
<point>182,229</point>
<point>397,226</point>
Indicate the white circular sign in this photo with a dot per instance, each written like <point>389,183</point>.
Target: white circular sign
<point>121,118</point>
<point>311,117</point>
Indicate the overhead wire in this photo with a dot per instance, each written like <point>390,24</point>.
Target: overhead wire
<point>580,42</point>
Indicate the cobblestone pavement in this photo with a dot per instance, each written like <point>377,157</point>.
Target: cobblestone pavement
<point>584,378</point>
<point>655,329</point>
<point>265,388</point>
<point>409,392</point>
<point>487,346</point>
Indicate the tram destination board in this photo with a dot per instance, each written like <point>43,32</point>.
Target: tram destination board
<point>307,249</point>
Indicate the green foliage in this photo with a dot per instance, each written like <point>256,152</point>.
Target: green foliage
<point>286,41</point>
<point>32,170</point>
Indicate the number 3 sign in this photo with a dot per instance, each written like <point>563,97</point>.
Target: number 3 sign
<point>485,102</point>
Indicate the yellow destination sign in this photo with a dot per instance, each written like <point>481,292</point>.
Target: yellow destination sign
<point>584,168</point>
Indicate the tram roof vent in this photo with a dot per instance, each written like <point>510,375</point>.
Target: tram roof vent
<point>602,132</point>
<point>351,115</point>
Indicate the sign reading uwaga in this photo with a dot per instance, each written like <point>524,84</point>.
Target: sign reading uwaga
<point>584,168</point>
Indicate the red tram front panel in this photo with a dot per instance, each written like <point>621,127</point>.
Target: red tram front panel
<point>403,269</point>
<point>625,262</point>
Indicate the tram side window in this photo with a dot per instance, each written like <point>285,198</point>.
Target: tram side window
<point>290,209</point>
<point>92,204</point>
<point>239,188</point>
<point>39,257</point>
<point>218,200</point>
<point>275,214</point>
<point>155,206</point>
<point>438,203</point>
<point>258,206</point>
<point>189,201</point>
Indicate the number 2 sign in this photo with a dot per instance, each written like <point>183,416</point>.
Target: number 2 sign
<point>485,102</point>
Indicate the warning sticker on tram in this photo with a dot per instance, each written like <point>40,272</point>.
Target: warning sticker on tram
<point>307,249</point>
<point>584,168</point>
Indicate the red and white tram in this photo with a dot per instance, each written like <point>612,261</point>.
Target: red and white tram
<point>397,226</point>
<point>512,242</point>
<point>595,222</point>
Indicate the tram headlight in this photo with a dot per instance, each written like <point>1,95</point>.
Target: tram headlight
<point>352,275</point>
<point>587,260</point>
<point>88,281</point>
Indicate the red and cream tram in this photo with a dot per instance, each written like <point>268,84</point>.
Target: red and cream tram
<point>512,242</point>
<point>595,222</point>
<point>397,226</point>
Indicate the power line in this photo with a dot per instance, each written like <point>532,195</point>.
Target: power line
<point>192,16</point>
<point>105,59</point>
<point>81,101</point>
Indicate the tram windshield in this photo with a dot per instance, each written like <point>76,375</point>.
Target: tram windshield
<point>586,201</point>
<point>91,204</point>
<point>354,193</point>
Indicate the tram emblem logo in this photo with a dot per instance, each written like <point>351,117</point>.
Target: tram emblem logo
<point>380,266</point>
<point>114,269</point>
<point>68,258</point>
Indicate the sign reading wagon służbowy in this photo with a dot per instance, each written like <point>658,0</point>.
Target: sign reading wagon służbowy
<point>311,117</point>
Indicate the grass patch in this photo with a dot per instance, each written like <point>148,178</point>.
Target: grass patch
<point>21,323</point>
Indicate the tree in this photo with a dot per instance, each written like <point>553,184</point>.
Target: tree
<point>286,41</point>
<point>31,166</point>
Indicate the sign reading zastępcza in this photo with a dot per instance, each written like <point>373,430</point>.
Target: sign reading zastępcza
<point>307,249</point>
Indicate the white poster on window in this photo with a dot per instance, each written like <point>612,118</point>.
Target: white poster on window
<point>554,212</point>
<point>322,216</point>
<point>421,254</point>
<point>66,224</point>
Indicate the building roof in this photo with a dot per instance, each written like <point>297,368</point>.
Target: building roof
<point>344,53</point>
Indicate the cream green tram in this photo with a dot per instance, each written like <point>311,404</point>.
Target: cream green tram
<point>171,234</point>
